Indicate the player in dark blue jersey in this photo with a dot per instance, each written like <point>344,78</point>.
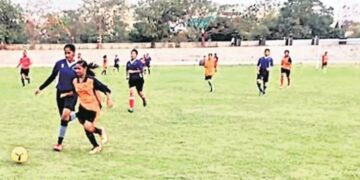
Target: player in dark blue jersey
<point>116,63</point>
<point>147,60</point>
<point>134,73</point>
<point>65,69</point>
<point>263,71</point>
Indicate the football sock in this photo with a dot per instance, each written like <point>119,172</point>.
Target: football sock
<point>91,138</point>
<point>62,131</point>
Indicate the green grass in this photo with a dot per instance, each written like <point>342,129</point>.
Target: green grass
<point>311,131</point>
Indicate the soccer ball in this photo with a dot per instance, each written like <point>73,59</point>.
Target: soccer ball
<point>19,155</point>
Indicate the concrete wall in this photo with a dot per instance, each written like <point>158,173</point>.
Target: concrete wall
<point>190,56</point>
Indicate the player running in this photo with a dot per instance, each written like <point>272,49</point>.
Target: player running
<point>210,69</point>
<point>263,71</point>
<point>104,65</point>
<point>25,64</point>
<point>286,64</point>
<point>65,69</point>
<point>134,73</point>
<point>147,59</point>
<point>87,88</point>
<point>324,61</point>
<point>116,63</point>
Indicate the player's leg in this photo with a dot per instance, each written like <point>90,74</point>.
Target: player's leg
<point>265,81</point>
<point>259,82</point>
<point>27,75</point>
<point>131,99</point>
<point>66,106</point>
<point>148,67</point>
<point>139,89</point>
<point>22,76</point>
<point>282,78</point>
<point>89,131</point>
<point>289,78</point>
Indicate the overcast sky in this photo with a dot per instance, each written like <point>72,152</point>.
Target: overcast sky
<point>73,4</point>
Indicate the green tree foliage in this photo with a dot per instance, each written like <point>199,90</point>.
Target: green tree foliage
<point>11,23</point>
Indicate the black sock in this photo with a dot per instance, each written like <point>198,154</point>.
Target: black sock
<point>60,140</point>
<point>28,80</point>
<point>264,87</point>
<point>91,138</point>
<point>23,81</point>
<point>288,81</point>
<point>98,131</point>
<point>149,70</point>
<point>211,86</point>
<point>259,86</point>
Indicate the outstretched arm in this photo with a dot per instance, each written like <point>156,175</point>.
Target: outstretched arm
<point>49,80</point>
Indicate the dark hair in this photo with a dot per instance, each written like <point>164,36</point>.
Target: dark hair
<point>70,46</point>
<point>267,50</point>
<point>287,51</point>
<point>88,67</point>
<point>104,56</point>
<point>134,50</point>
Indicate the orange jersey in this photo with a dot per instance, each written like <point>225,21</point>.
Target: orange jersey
<point>325,58</point>
<point>209,67</point>
<point>286,63</point>
<point>88,93</point>
<point>105,65</point>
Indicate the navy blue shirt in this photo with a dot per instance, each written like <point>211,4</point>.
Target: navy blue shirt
<point>265,62</point>
<point>135,65</point>
<point>66,75</point>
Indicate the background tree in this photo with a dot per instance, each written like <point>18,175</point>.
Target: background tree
<point>11,23</point>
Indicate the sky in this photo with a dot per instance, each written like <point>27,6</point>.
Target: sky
<point>74,4</point>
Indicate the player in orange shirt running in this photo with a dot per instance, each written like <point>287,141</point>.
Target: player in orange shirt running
<point>286,63</point>
<point>25,64</point>
<point>210,69</point>
<point>87,88</point>
<point>104,65</point>
<point>324,61</point>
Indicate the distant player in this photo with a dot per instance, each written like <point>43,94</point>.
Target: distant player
<point>324,61</point>
<point>216,61</point>
<point>104,65</point>
<point>263,67</point>
<point>147,63</point>
<point>65,68</point>
<point>116,63</point>
<point>134,73</point>
<point>25,64</point>
<point>79,58</point>
<point>286,63</point>
<point>87,88</point>
<point>210,69</point>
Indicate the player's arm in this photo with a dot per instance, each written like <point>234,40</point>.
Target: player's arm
<point>19,64</point>
<point>290,60</point>
<point>258,66</point>
<point>104,89</point>
<point>49,80</point>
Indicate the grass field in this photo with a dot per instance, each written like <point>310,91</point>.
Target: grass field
<point>310,131</point>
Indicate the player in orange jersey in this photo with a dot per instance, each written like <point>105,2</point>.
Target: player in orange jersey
<point>286,64</point>
<point>87,88</point>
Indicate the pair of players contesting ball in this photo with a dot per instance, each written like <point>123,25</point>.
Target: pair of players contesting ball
<point>77,81</point>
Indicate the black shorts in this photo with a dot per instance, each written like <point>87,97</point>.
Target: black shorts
<point>324,64</point>
<point>68,102</point>
<point>85,115</point>
<point>116,66</point>
<point>263,75</point>
<point>286,71</point>
<point>208,77</point>
<point>24,71</point>
<point>138,83</point>
<point>147,65</point>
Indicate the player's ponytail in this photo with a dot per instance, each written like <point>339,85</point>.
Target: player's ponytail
<point>89,67</point>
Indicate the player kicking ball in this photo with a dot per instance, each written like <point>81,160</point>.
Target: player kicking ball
<point>87,89</point>
<point>263,71</point>
<point>286,64</point>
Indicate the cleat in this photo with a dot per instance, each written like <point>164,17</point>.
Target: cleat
<point>95,150</point>
<point>58,147</point>
<point>130,110</point>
